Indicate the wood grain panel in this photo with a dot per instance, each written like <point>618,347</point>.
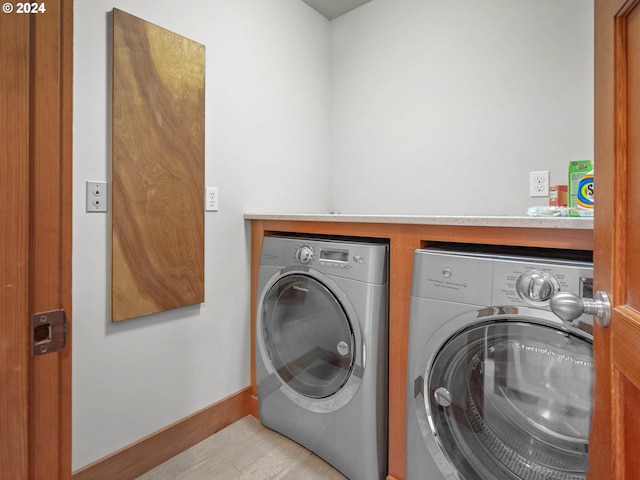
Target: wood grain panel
<point>46,236</point>
<point>257,234</point>
<point>631,400</point>
<point>600,441</point>
<point>629,171</point>
<point>14,246</point>
<point>66,234</point>
<point>626,332</point>
<point>157,211</point>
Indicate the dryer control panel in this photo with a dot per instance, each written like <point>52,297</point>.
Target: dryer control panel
<point>364,261</point>
<point>330,256</point>
<point>304,254</point>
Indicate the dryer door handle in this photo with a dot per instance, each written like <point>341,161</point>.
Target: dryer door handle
<point>568,307</point>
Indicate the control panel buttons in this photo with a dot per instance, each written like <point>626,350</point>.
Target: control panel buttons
<point>536,287</point>
<point>334,265</point>
<point>304,254</point>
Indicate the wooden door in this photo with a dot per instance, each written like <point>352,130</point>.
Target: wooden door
<point>35,237</point>
<point>615,433</point>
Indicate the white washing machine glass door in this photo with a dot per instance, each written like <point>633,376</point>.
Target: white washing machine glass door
<point>308,339</point>
<point>512,400</point>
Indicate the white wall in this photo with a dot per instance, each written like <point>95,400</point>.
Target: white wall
<point>445,106</point>
<point>411,106</point>
<point>267,113</point>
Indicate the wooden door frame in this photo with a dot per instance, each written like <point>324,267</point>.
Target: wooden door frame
<point>35,240</point>
<point>14,273</point>
<point>615,348</point>
<point>600,462</point>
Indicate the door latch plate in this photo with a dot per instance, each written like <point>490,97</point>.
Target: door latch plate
<point>48,332</point>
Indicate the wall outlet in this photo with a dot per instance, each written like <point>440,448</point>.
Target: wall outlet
<point>539,184</point>
<point>211,199</point>
<point>96,196</point>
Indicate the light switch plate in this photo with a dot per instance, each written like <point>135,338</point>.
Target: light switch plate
<point>96,196</point>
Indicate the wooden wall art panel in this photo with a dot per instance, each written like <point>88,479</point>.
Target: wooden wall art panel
<point>157,197</point>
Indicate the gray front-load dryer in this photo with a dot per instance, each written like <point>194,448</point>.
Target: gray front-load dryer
<point>499,388</point>
<point>321,349</point>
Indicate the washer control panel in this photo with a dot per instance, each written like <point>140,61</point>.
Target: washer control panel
<point>536,287</point>
<point>534,281</point>
<point>482,279</point>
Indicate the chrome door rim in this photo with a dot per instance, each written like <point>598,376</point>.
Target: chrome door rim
<point>349,389</point>
<point>452,328</point>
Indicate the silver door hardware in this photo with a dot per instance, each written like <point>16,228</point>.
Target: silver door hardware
<point>48,332</point>
<point>568,307</point>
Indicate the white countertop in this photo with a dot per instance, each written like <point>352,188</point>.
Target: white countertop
<point>460,220</point>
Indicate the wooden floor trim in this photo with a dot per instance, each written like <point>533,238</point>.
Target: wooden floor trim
<point>149,452</point>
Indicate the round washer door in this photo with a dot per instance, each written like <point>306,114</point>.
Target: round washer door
<point>308,340</point>
<point>511,400</point>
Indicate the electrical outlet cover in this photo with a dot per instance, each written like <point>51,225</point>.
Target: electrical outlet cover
<point>539,183</point>
<point>211,199</point>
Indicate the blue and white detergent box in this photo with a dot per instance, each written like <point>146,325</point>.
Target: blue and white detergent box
<point>580,186</point>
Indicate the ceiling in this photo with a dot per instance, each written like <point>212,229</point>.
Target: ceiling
<point>334,8</point>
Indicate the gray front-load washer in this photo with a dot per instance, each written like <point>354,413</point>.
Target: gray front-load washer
<point>499,388</point>
<point>321,349</point>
